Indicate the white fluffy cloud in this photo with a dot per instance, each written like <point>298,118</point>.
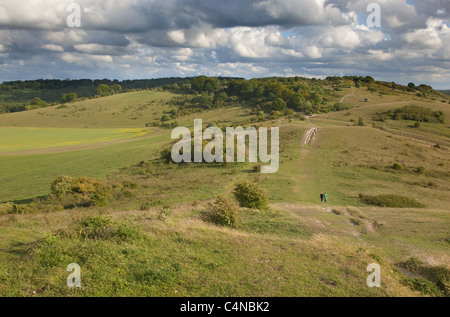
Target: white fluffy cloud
<point>307,12</point>
<point>430,37</point>
<point>248,38</point>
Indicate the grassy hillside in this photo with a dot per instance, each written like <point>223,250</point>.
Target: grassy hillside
<point>151,236</point>
<point>127,110</point>
<point>51,90</point>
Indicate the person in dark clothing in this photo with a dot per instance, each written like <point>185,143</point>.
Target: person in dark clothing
<point>321,197</point>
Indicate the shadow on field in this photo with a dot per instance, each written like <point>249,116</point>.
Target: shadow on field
<point>26,201</point>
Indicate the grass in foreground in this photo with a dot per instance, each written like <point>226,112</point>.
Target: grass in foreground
<point>145,253</point>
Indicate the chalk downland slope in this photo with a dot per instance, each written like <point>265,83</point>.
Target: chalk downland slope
<point>152,237</point>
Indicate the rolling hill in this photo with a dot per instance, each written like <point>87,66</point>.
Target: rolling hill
<point>387,182</point>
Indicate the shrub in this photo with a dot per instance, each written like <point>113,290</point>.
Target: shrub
<point>395,201</point>
<point>5,208</point>
<point>21,209</point>
<point>81,185</point>
<point>223,211</point>
<point>101,228</point>
<point>87,185</point>
<point>98,199</point>
<point>361,122</point>
<point>166,155</point>
<point>398,167</point>
<point>62,185</point>
<point>212,124</point>
<point>164,212</point>
<point>250,194</point>
<point>257,168</point>
<point>81,191</point>
<point>11,208</point>
<point>340,106</point>
<point>414,113</point>
<point>422,285</point>
<point>434,280</point>
<point>421,170</point>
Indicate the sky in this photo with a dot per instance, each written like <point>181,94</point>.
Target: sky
<point>135,39</point>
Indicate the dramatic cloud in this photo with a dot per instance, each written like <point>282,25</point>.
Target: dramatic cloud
<point>248,38</point>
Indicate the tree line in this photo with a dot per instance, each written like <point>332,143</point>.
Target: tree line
<point>18,95</point>
<point>265,96</point>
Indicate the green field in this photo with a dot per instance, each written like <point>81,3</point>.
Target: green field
<point>158,241</point>
<point>23,139</point>
<point>28,176</point>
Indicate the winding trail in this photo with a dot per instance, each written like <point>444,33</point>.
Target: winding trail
<point>345,97</point>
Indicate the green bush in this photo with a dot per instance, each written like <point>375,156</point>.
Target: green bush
<point>81,185</point>
<point>166,155</point>
<point>340,106</point>
<point>421,170</point>
<point>398,167</point>
<point>6,208</point>
<point>431,277</point>
<point>223,211</point>
<point>413,113</point>
<point>87,185</point>
<point>101,228</point>
<point>395,201</point>
<point>81,191</point>
<point>422,285</point>
<point>62,185</point>
<point>11,208</point>
<point>99,199</point>
<point>250,194</point>
<point>361,122</point>
<point>21,209</point>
